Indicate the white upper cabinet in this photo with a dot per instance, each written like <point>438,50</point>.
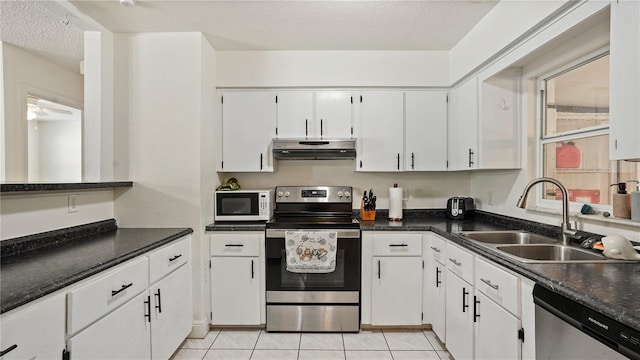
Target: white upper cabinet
<point>248,126</point>
<point>425,131</point>
<point>624,127</point>
<point>463,129</point>
<point>380,131</point>
<point>295,114</point>
<point>499,123</point>
<point>315,114</point>
<point>334,114</point>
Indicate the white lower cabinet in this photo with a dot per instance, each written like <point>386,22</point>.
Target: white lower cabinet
<point>396,292</point>
<point>459,317</point>
<point>152,324</point>
<point>34,331</point>
<point>172,312</point>
<point>396,286</point>
<point>434,284</point>
<point>237,290</point>
<point>495,330</point>
<point>122,334</point>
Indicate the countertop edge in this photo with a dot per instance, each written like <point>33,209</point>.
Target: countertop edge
<point>26,188</point>
<point>18,300</point>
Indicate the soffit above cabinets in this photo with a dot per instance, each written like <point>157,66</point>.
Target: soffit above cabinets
<point>37,26</point>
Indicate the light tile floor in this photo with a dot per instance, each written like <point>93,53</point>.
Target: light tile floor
<point>231,344</point>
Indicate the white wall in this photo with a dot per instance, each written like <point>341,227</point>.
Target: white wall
<point>332,68</point>
<point>498,191</point>
<point>507,21</point>
<point>423,189</point>
<point>24,73</point>
<point>22,215</point>
<point>55,151</point>
<point>99,106</point>
<point>169,83</point>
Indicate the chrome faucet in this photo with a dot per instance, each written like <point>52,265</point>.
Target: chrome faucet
<point>567,231</point>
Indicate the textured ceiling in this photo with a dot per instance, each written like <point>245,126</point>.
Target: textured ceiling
<point>39,27</point>
<point>250,25</point>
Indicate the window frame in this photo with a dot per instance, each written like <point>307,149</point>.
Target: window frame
<point>542,139</point>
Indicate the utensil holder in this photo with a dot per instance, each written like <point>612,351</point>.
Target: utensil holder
<point>367,214</point>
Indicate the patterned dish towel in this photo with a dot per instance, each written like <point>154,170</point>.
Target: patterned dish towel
<point>311,251</point>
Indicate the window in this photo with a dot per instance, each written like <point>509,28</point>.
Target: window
<point>575,133</point>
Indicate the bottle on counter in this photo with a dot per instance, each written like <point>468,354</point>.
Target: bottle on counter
<point>621,202</point>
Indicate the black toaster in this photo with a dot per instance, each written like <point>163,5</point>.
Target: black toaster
<point>460,208</point>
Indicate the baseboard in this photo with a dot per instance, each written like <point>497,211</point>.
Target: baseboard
<point>199,329</point>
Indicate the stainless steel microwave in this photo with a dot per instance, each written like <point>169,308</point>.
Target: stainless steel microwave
<point>243,205</point>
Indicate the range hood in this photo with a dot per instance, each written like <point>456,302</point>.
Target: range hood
<point>314,149</point>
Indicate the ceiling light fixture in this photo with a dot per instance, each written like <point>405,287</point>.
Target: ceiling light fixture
<point>127,3</point>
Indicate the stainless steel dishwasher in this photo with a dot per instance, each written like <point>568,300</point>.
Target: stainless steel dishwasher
<point>566,329</point>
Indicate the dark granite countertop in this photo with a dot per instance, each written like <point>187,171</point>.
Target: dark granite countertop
<point>16,187</point>
<point>612,289</point>
<point>27,273</point>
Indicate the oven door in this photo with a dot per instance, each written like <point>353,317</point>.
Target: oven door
<point>345,277</point>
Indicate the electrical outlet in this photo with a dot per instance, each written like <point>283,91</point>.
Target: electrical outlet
<point>490,198</point>
<point>73,203</point>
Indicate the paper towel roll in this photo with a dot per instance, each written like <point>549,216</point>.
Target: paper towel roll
<point>395,203</point>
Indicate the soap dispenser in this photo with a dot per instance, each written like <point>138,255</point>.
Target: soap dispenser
<point>622,202</point>
<point>635,201</point>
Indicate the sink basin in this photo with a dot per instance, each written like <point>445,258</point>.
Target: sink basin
<point>528,247</point>
<point>508,237</point>
<point>550,253</point>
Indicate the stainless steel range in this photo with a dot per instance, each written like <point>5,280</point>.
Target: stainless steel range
<point>313,261</point>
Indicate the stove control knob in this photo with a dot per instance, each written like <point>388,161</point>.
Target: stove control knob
<point>339,194</point>
<point>347,194</point>
<point>287,194</point>
<point>280,194</point>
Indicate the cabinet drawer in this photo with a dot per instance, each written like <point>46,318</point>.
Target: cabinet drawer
<point>235,244</point>
<point>397,245</point>
<point>460,262</point>
<point>437,248</point>
<point>105,292</point>
<point>499,285</point>
<point>168,258</point>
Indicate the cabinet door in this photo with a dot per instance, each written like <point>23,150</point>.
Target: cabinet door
<point>437,301</point>
<point>122,334</point>
<point>248,126</point>
<point>459,317</point>
<point>495,330</point>
<point>172,312</point>
<point>425,130</point>
<point>295,114</point>
<point>499,125</point>
<point>334,114</point>
<point>463,130</point>
<point>34,331</point>
<point>380,131</point>
<point>396,292</point>
<point>235,291</point>
<point>624,123</point>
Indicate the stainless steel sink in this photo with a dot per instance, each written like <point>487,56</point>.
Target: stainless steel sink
<point>508,237</point>
<point>550,253</point>
<point>528,247</point>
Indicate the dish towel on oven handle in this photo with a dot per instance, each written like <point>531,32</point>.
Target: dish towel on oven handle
<point>311,251</point>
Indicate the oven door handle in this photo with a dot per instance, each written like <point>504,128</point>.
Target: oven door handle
<point>342,233</point>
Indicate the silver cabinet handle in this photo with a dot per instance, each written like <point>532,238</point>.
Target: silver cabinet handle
<point>493,286</point>
<point>435,249</point>
<point>456,263</point>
